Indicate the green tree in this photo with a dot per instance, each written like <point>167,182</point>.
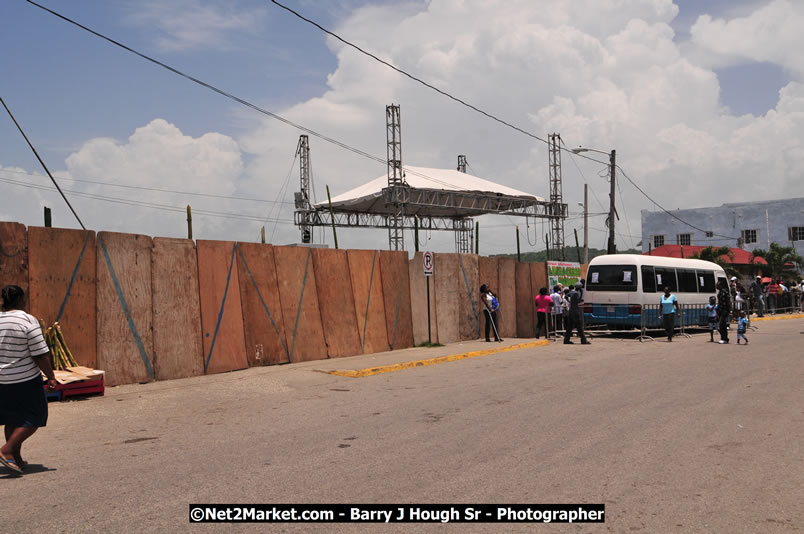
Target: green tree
<point>783,262</point>
<point>715,255</point>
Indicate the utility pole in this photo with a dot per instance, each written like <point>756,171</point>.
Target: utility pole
<point>586,223</point>
<point>612,246</point>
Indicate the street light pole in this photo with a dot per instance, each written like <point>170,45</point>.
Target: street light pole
<point>612,246</point>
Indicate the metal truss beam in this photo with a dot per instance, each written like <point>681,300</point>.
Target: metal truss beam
<point>372,220</point>
<point>472,203</point>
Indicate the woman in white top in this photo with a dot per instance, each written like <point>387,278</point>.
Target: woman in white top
<point>24,356</point>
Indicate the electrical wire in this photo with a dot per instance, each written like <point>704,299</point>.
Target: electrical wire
<point>142,188</point>
<point>282,192</point>
<point>42,163</point>
<point>152,205</point>
<point>665,210</point>
<point>239,100</point>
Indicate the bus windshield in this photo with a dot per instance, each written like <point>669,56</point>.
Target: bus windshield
<point>612,278</point>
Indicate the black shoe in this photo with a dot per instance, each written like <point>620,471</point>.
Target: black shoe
<point>488,340</point>
<point>585,343</point>
<point>498,340</point>
<point>569,342</point>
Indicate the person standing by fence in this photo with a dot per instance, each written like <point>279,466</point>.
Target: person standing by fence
<point>574,316</point>
<point>756,295</point>
<point>723,310</point>
<point>558,309</point>
<point>490,307</point>
<point>669,304</point>
<point>773,295</point>
<point>543,304</point>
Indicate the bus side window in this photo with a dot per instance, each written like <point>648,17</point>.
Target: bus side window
<point>667,275</point>
<point>687,283</point>
<point>706,281</point>
<point>648,279</point>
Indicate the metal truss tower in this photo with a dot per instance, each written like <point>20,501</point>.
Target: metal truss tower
<point>396,221</point>
<point>302,198</point>
<point>557,223</point>
<point>464,227</point>
<point>462,163</point>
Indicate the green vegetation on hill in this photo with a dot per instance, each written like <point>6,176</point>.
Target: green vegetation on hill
<point>570,254</point>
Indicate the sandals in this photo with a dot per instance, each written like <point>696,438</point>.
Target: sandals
<point>11,464</point>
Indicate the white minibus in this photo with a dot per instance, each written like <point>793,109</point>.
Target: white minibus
<point>618,286</point>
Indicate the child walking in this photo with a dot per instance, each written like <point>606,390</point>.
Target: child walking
<point>711,310</point>
<point>742,323</point>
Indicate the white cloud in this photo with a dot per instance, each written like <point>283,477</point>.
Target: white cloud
<point>770,33</point>
<point>192,24</point>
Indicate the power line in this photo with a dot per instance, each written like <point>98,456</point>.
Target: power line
<point>239,100</point>
<point>666,211</point>
<point>142,188</point>
<point>152,205</point>
<point>42,162</point>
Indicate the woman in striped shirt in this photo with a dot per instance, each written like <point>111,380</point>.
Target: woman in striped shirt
<point>24,356</point>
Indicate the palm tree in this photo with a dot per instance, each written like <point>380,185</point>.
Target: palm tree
<point>783,262</point>
<point>715,255</point>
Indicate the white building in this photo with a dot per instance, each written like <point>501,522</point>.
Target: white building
<point>747,225</point>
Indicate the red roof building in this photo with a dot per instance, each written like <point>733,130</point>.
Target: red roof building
<point>741,257</point>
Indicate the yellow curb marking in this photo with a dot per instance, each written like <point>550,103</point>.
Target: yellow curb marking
<point>359,373</point>
<point>793,316</point>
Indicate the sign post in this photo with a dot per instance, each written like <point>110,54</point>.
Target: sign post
<point>428,273</point>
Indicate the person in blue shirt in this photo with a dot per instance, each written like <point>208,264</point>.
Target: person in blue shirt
<point>669,310</point>
<point>742,324</point>
<point>711,311</point>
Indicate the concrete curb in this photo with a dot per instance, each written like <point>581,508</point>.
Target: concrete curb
<point>779,318</point>
<point>369,371</point>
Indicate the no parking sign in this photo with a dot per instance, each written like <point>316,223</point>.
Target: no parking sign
<point>428,264</point>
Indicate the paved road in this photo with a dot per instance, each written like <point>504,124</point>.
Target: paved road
<point>673,437</point>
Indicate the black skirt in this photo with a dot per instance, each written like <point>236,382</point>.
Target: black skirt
<point>23,404</point>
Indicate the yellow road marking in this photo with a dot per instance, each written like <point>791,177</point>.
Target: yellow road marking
<point>779,318</point>
<point>359,373</point>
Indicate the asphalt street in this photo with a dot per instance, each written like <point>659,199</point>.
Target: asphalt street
<point>687,436</point>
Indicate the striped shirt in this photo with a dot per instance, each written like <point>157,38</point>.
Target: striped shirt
<point>20,339</point>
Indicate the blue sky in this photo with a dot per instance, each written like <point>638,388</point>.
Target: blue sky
<point>71,91</point>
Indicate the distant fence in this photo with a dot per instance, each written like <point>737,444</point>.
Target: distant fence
<point>143,308</point>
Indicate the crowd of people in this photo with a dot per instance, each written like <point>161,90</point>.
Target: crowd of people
<point>562,309</point>
<point>770,297</point>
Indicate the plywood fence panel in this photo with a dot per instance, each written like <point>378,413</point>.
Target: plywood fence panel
<point>446,273</point>
<point>469,318</point>
<point>396,292</point>
<point>266,343</point>
<point>298,295</point>
<point>14,255</point>
<point>364,269</point>
<point>178,345</point>
<point>221,311</point>
<point>62,273</point>
<point>124,307</point>
<point>506,291</point>
<point>337,302</point>
<point>525,326</point>
<point>418,301</point>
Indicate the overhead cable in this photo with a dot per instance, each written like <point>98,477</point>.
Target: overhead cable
<point>42,163</point>
<point>237,99</point>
